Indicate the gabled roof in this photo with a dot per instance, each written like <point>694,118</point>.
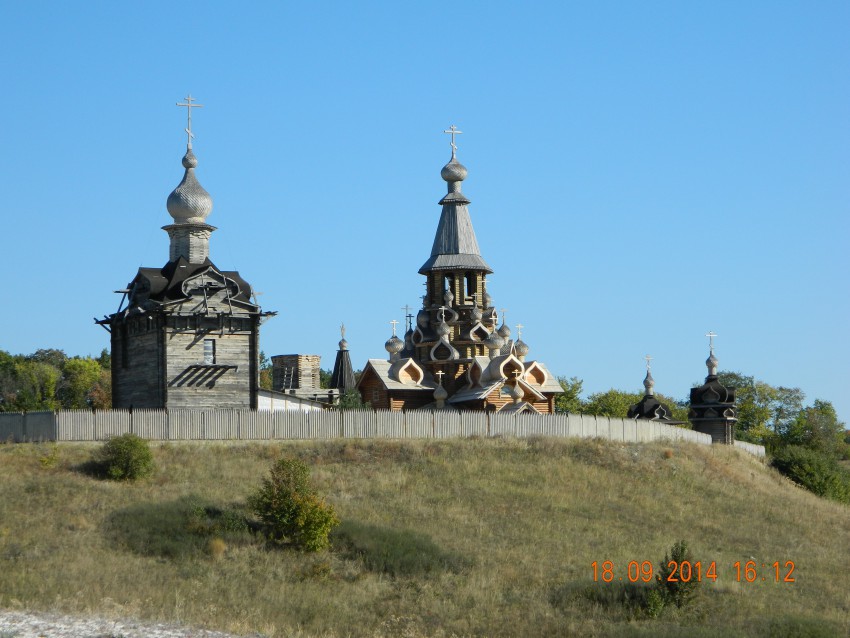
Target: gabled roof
<point>516,408</point>
<point>387,373</point>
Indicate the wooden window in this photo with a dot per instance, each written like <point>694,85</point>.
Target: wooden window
<point>209,352</point>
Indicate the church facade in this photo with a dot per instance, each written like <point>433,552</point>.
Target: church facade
<point>189,333</point>
<point>455,355</point>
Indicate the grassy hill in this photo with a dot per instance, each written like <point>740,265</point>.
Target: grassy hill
<point>446,538</point>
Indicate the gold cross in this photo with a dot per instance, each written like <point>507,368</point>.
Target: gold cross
<point>189,106</point>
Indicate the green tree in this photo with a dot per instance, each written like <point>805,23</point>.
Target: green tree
<point>105,359</point>
<point>817,427</point>
<point>8,381</point>
<point>351,400</point>
<point>79,378</point>
<point>325,378</point>
<point>266,375</point>
<point>290,509</point>
<point>611,403</point>
<point>36,384</point>
<point>100,395</point>
<point>569,402</point>
<point>764,411</point>
<point>54,357</point>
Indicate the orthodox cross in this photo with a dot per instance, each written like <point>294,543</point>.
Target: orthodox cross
<point>504,310</point>
<point>407,314</point>
<point>453,131</point>
<point>189,106</point>
<point>711,334</point>
<point>439,374</point>
<point>648,359</point>
<point>519,328</point>
<point>394,323</point>
<point>442,313</point>
<point>517,373</point>
<point>342,330</point>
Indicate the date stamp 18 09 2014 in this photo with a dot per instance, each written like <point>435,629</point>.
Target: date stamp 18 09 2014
<point>686,571</point>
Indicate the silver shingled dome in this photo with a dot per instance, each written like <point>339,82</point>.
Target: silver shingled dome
<point>454,171</point>
<point>649,384</point>
<point>394,345</point>
<point>711,364</point>
<point>189,203</point>
<point>521,348</point>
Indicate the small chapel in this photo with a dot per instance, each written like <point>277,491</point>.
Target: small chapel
<point>455,356</point>
<point>189,333</point>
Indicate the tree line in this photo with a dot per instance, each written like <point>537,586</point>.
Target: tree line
<point>48,379</point>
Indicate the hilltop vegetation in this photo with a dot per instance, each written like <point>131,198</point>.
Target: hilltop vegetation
<point>806,442</point>
<point>438,538</point>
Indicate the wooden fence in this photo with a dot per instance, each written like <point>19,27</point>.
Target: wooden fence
<point>188,424</point>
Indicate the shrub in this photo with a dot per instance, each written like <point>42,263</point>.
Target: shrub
<point>290,510</point>
<point>125,458</point>
<point>675,590</point>
<point>813,470</point>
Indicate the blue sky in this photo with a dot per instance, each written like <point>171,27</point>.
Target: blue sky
<point>640,173</point>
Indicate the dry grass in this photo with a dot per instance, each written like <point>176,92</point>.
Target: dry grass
<point>465,538</point>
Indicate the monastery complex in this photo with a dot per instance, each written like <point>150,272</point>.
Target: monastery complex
<point>188,335</point>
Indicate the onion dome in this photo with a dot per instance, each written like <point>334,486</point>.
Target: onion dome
<point>515,392</point>
<point>394,345</point>
<point>504,331</point>
<point>448,297</point>
<point>488,300</point>
<point>475,314</point>
<point>454,171</point>
<point>649,384</point>
<point>423,318</point>
<point>711,364</point>
<point>189,203</point>
<point>521,348</point>
<point>343,344</point>
<point>494,343</point>
<point>443,328</point>
<point>440,394</point>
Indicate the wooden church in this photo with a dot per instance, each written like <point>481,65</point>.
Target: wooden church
<point>189,334</point>
<point>455,356</point>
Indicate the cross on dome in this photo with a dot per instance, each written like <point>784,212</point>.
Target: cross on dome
<point>342,330</point>
<point>189,106</point>
<point>394,323</point>
<point>408,317</point>
<point>519,328</point>
<point>648,359</point>
<point>711,334</point>
<point>439,374</point>
<point>453,131</point>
